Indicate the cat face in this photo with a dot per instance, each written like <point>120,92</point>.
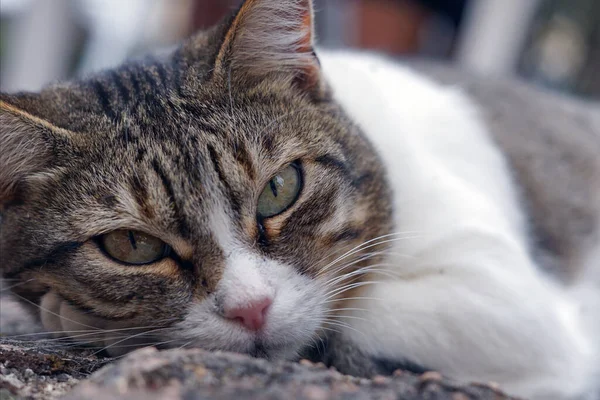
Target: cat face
<point>203,199</point>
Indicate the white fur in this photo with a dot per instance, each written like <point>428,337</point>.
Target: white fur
<point>468,299</point>
<point>292,319</point>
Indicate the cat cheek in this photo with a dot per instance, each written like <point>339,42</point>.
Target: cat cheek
<point>58,317</point>
<point>50,312</point>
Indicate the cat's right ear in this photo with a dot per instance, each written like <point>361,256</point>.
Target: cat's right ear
<point>270,39</point>
<point>26,148</point>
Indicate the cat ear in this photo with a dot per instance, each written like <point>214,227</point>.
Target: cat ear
<point>271,37</point>
<point>26,144</point>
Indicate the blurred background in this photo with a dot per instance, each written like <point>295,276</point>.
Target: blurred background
<point>553,43</point>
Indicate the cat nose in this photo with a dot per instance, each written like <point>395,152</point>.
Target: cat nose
<point>253,315</point>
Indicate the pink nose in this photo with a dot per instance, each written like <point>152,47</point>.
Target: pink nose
<point>252,316</point>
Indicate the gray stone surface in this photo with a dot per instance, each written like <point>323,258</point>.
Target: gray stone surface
<point>39,370</point>
<point>36,370</point>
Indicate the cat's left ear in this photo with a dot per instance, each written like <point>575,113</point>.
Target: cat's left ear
<point>28,147</point>
<point>267,38</point>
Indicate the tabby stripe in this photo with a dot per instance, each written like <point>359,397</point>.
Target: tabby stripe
<point>135,84</point>
<point>231,194</point>
<point>347,233</point>
<point>59,253</point>
<point>141,152</point>
<point>268,143</point>
<point>152,78</point>
<point>196,112</point>
<point>138,189</point>
<point>243,158</point>
<point>312,212</point>
<point>162,74</point>
<point>85,309</point>
<point>178,66</point>
<point>168,186</point>
<point>332,163</point>
<point>152,101</point>
<point>261,239</point>
<point>123,91</point>
<point>104,98</point>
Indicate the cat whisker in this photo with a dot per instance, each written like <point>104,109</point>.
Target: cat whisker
<point>370,269</point>
<point>315,345</point>
<point>346,326</point>
<point>362,258</point>
<point>6,289</point>
<point>130,337</point>
<point>183,346</point>
<point>90,331</point>
<point>98,333</point>
<point>349,317</point>
<point>374,244</point>
<point>368,244</point>
<point>330,329</point>
<point>353,298</point>
<point>53,313</point>
<point>348,287</point>
<point>333,310</point>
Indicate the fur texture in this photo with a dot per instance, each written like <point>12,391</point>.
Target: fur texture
<point>408,245</point>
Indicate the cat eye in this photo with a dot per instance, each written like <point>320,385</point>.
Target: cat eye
<point>133,247</point>
<point>281,192</point>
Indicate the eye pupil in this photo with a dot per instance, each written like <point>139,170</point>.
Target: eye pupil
<point>132,239</point>
<point>273,187</point>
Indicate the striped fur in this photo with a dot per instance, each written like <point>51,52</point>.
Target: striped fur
<point>180,147</point>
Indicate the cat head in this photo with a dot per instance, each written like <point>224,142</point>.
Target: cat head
<point>208,198</point>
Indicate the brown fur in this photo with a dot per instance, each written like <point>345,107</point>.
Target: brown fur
<point>152,146</point>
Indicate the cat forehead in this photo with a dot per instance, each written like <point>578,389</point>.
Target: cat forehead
<point>147,181</point>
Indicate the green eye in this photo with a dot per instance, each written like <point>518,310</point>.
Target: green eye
<point>281,192</point>
<point>133,247</point>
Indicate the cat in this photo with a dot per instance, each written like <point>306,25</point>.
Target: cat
<point>248,192</point>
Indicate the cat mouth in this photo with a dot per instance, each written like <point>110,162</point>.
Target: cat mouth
<point>261,349</point>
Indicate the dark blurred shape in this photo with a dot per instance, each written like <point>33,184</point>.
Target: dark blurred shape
<point>207,13</point>
<point>451,9</point>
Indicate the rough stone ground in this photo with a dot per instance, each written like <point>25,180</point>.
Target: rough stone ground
<point>40,369</point>
<point>33,370</point>
<point>36,370</point>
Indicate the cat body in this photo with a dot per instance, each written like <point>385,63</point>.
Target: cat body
<point>247,193</point>
<point>466,279</point>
